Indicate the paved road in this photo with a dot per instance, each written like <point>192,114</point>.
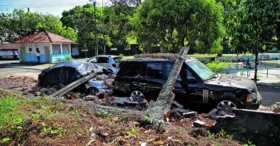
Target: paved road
<point>19,71</point>
<point>8,61</point>
<point>270,95</point>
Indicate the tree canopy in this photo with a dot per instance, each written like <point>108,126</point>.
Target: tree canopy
<point>253,25</point>
<point>19,24</point>
<point>173,24</point>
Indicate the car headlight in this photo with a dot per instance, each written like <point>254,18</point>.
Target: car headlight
<point>251,97</point>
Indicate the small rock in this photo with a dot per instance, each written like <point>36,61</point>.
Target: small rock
<point>92,136</point>
<point>91,98</point>
<point>122,140</point>
<point>158,143</point>
<point>143,144</point>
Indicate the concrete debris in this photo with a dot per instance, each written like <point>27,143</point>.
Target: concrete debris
<point>91,98</point>
<point>17,81</point>
<point>273,108</point>
<point>184,117</point>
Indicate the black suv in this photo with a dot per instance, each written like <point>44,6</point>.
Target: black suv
<point>196,84</point>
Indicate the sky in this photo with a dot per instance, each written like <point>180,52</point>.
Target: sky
<point>55,7</point>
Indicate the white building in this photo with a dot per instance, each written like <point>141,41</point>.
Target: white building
<point>51,47</point>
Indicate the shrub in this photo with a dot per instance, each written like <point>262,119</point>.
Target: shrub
<point>121,55</point>
<point>68,58</point>
<point>218,66</point>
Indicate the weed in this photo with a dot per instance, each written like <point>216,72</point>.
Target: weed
<point>147,118</point>
<point>211,135</point>
<point>5,139</point>
<point>121,119</point>
<point>249,143</point>
<point>104,113</point>
<point>132,131</point>
<point>243,130</point>
<point>224,134</point>
<point>35,117</point>
<point>53,131</point>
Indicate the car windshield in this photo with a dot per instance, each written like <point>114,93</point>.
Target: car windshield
<point>201,70</point>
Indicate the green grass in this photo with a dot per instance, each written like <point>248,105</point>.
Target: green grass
<point>218,66</point>
<point>128,57</point>
<point>9,110</point>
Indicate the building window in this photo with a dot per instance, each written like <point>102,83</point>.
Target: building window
<point>65,49</point>
<point>56,49</point>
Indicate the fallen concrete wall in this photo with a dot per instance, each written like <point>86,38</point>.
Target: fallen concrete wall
<point>262,128</point>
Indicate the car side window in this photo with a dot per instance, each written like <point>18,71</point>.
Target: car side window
<point>154,70</point>
<point>93,60</point>
<point>102,60</point>
<point>169,67</point>
<point>130,69</point>
<point>189,73</point>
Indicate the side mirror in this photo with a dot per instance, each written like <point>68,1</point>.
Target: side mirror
<point>191,80</point>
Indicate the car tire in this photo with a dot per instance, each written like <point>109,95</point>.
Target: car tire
<point>228,104</point>
<point>92,91</point>
<point>137,95</point>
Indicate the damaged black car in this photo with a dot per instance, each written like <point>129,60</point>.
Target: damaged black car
<point>196,84</point>
<point>64,73</point>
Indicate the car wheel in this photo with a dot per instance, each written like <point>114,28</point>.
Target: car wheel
<point>228,104</point>
<point>137,95</point>
<point>92,91</point>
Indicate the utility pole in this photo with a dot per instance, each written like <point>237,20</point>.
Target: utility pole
<point>95,30</point>
<point>103,23</point>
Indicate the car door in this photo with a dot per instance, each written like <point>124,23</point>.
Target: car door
<point>154,79</point>
<point>131,77</point>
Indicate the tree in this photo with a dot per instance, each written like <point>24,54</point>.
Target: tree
<point>134,3</point>
<point>19,24</point>
<point>81,18</point>
<point>173,24</point>
<point>254,24</point>
<point>116,23</point>
<point>112,26</point>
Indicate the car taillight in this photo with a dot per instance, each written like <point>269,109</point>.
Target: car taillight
<point>114,65</point>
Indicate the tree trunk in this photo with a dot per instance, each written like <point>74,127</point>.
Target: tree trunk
<point>166,97</point>
<point>256,66</point>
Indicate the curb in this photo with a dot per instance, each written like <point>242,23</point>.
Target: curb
<point>269,84</point>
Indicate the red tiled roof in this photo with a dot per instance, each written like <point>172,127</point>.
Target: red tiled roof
<point>8,47</point>
<point>43,37</point>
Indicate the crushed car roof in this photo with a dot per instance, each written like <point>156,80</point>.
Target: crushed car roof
<point>82,67</point>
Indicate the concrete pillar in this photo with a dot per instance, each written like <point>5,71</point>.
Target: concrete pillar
<point>61,50</point>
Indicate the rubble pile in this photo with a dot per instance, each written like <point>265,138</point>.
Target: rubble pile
<point>273,108</point>
<point>184,117</point>
<point>17,81</point>
<point>177,115</point>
